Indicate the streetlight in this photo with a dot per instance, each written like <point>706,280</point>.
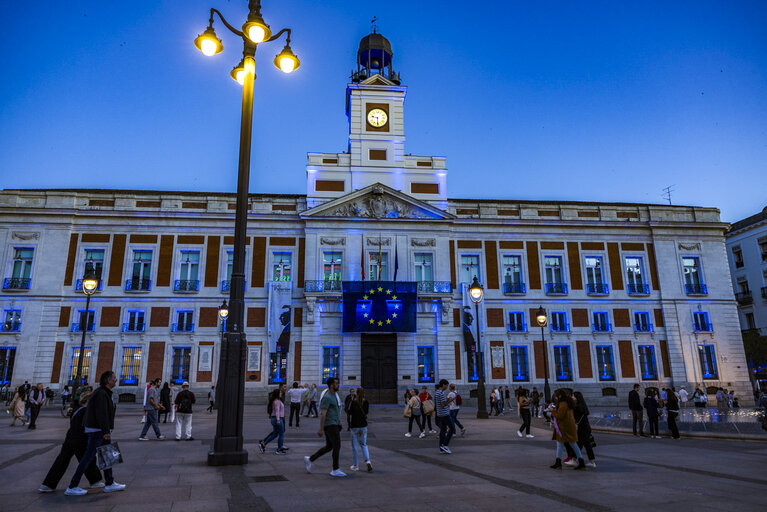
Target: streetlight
<point>223,312</point>
<point>227,445</point>
<point>90,284</point>
<point>475,294</point>
<point>540,316</point>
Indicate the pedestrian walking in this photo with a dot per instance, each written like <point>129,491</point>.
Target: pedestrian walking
<point>652,407</point>
<point>99,422</point>
<point>17,407</point>
<point>672,413</point>
<point>507,399</point>
<point>583,428</point>
<point>75,443</point>
<point>305,400</point>
<point>275,408</point>
<point>565,432</point>
<point>414,412</point>
<point>427,408</point>
<point>444,421</point>
<point>330,427</point>
<point>64,396</point>
<point>35,400</point>
<point>494,401</point>
<point>183,406</point>
<point>523,399</point>
<point>152,407</point>
<point>211,399</point>
<point>454,400</point>
<point>358,412</point>
<point>347,403</point>
<point>313,393</point>
<point>165,401</point>
<point>683,397</point>
<point>535,399</point>
<point>635,405</point>
<point>294,395</point>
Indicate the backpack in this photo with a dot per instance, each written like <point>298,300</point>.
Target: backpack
<point>186,403</point>
<point>458,400</point>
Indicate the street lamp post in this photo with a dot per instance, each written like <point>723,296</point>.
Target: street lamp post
<point>475,294</point>
<point>227,444</point>
<point>90,284</point>
<point>540,316</point>
<point>223,312</point>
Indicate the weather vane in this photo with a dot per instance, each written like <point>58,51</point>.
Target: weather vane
<point>373,24</point>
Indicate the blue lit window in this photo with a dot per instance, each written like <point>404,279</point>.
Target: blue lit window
<point>131,366</point>
<point>708,361</point>
<point>330,359</point>
<point>425,364</point>
<point>605,365</point>
<point>12,321</point>
<point>647,362</point>
<point>517,321</point>
<point>601,323</point>
<point>559,321</point>
<point>475,359</point>
<point>73,364</point>
<point>564,370</point>
<point>519,367</point>
<point>700,322</point>
<point>642,322</point>
<point>278,367</point>
<point>80,320</point>
<point>179,367</point>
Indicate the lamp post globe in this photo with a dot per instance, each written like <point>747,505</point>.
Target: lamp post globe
<point>542,320</point>
<point>475,291</point>
<point>223,311</point>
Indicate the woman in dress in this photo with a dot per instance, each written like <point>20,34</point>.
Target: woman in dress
<point>17,408</point>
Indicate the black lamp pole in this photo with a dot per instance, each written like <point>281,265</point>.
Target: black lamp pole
<point>475,294</point>
<point>542,320</point>
<point>89,284</point>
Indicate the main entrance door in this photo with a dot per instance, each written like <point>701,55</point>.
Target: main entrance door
<point>379,368</point>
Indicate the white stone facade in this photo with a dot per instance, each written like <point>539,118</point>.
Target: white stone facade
<point>747,256</point>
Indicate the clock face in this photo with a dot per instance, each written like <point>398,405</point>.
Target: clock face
<point>377,117</point>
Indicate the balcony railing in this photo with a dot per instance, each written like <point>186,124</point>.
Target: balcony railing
<point>597,289</point>
<point>744,297</point>
<point>514,288</point>
<point>601,327</point>
<point>10,327</point>
<point>134,327</point>
<point>434,287</point>
<point>186,286</point>
<point>643,327</point>
<point>556,288</point>
<point>16,283</point>
<point>329,286</point>
<point>696,289</point>
<point>188,327</point>
<point>638,289</point>
<point>79,285</point>
<point>517,327</point>
<point>78,327</point>
<point>138,285</point>
<point>703,327</point>
<point>764,292</point>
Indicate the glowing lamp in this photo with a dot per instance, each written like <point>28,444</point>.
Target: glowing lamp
<point>540,316</point>
<point>241,70</point>
<point>475,291</point>
<point>90,280</point>
<point>208,43</point>
<point>286,61</point>
<point>223,311</point>
<point>256,29</point>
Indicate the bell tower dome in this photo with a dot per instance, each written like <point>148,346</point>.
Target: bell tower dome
<point>375,57</point>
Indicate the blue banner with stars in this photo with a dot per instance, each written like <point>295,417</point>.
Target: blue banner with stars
<point>379,306</point>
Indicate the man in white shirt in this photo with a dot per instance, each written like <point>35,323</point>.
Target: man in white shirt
<point>453,407</point>
<point>683,396</point>
<point>294,394</point>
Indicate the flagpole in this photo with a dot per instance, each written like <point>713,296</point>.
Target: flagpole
<point>380,263</point>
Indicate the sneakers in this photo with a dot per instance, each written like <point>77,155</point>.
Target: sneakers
<point>530,436</point>
<point>591,464</point>
<point>280,451</point>
<point>570,461</point>
<point>308,463</point>
<point>75,491</point>
<point>407,434</point>
<point>444,449</point>
<point>161,437</point>
<point>190,438</point>
<point>178,439</point>
<point>370,466</point>
<point>354,468</point>
<point>422,435</point>
<point>114,487</point>
<point>98,485</point>
<point>261,446</point>
<point>143,438</point>
<point>463,432</point>
<point>432,431</point>
<point>44,488</point>
<point>519,433</point>
<point>337,472</point>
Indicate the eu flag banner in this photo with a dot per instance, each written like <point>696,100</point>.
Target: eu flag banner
<point>379,306</point>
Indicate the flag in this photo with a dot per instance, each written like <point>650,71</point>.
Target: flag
<point>396,260</point>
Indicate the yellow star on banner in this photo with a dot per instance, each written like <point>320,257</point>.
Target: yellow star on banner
<point>372,291</point>
<point>365,297</point>
<point>380,289</point>
<point>380,323</point>
<point>388,292</point>
<point>394,315</point>
<point>371,321</point>
<point>396,306</point>
<point>394,297</point>
<point>388,321</point>
<point>365,315</point>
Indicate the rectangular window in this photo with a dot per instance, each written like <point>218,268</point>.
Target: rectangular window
<point>647,362</point>
<point>330,360</point>
<point>89,320</point>
<point>559,321</point>
<point>693,279</point>
<point>763,250</point>
<point>642,322</point>
<point>470,268</point>
<point>332,265</point>
<point>519,367</point>
<point>229,265</point>
<point>601,321</point>
<point>141,273</point>
<point>278,367</point>
<point>553,270</point>
<point>7,358</point>
<point>700,321</point>
<point>635,282</point>
<point>184,321</point>
<point>423,268</point>
<point>378,270</point>
<point>708,361</point>
<point>564,371</point>
<point>425,364</point>
<point>605,365</point>
<point>517,321</point>
<point>96,257</point>
<point>22,262</point>
<point>131,366</point>
<point>475,359</point>
<point>512,274</point>
<point>750,322</point>
<point>190,266</point>
<point>135,322</point>
<point>179,365</point>
<point>737,257</point>
<point>595,279</point>
<point>74,361</point>
<point>12,321</point>
<point>281,266</point>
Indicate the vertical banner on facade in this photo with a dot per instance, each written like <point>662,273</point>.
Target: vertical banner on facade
<point>496,354</point>
<point>205,363</point>
<point>279,316</point>
<point>468,322</point>
<point>254,358</point>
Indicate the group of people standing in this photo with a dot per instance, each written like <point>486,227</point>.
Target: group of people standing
<point>420,408</point>
<point>654,402</point>
<point>157,403</point>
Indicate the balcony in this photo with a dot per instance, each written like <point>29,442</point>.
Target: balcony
<point>556,288</point>
<point>431,287</point>
<point>134,327</point>
<point>696,289</point>
<point>638,289</point>
<point>10,327</point>
<point>643,327</point>
<point>601,327</point>
<point>322,286</point>
<point>186,286</point>
<point>703,327</point>
<point>138,285</point>
<point>79,285</point>
<point>17,283</point>
<point>597,289</point>
<point>744,297</point>
<point>78,327</point>
<point>514,288</point>
<point>188,327</point>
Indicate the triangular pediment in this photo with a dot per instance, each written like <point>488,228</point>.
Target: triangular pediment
<point>377,79</point>
<point>378,202</point>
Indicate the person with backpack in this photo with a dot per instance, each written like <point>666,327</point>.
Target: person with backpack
<point>414,412</point>
<point>454,406</point>
<point>183,403</point>
<point>427,408</point>
<point>275,408</point>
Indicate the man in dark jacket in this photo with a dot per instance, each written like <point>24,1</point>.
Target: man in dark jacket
<point>75,443</point>
<point>99,422</point>
<point>635,405</point>
<point>183,403</point>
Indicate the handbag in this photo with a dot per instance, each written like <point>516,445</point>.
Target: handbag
<point>107,455</point>
<point>428,406</point>
<point>592,441</point>
<point>408,411</point>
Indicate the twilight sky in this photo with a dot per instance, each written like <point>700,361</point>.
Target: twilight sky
<point>597,101</point>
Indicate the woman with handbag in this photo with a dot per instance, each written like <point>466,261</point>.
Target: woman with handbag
<point>565,432</point>
<point>413,411</point>
<point>427,408</point>
<point>17,407</point>
<point>585,439</point>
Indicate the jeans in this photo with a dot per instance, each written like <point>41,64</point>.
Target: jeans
<point>500,405</point>
<point>418,421</point>
<point>183,425</point>
<point>525,413</point>
<point>672,416</point>
<point>454,416</point>
<point>313,407</point>
<point>34,411</point>
<point>332,443</point>
<point>95,439</point>
<point>536,409</point>
<point>360,436</point>
<point>574,446</point>
<point>446,429</point>
<point>278,431</point>
<point>295,408</point>
<point>210,407</point>
<point>151,420</point>
<point>653,423</point>
<point>637,417</point>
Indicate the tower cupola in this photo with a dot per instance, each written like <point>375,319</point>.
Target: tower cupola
<point>374,57</point>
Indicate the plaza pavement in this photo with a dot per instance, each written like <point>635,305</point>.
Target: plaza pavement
<point>490,469</point>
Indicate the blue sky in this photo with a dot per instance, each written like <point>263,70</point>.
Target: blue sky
<point>597,101</point>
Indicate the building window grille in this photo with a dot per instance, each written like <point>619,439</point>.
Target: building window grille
<point>131,366</point>
<point>425,364</point>
<point>605,364</point>
<point>179,366</point>
<point>520,371</point>
<point>563,367</point>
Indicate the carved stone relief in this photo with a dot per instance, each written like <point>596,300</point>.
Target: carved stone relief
<point>379,242</point>
<point>332,241</point>
<point>379,206</point>
<point>689,247</point>
<point>22,235</point>
<point>422,242</point>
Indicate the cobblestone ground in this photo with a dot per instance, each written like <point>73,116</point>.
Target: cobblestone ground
<point>490,469</point>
